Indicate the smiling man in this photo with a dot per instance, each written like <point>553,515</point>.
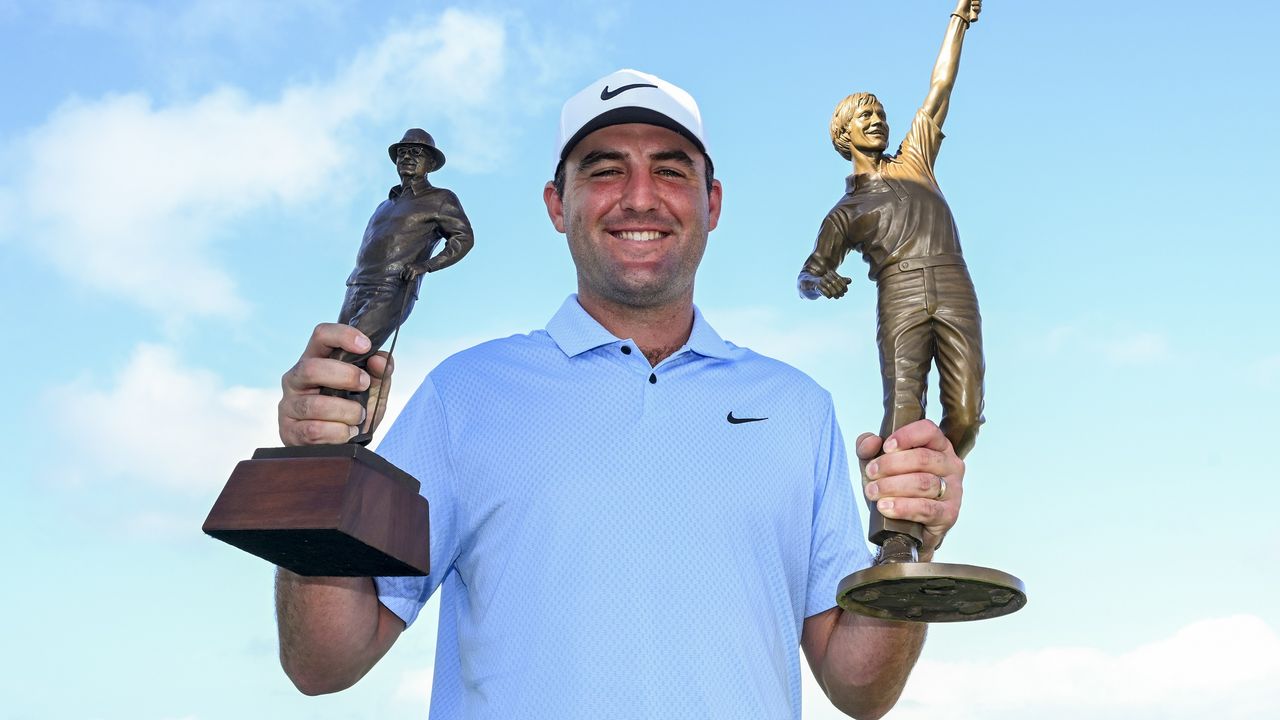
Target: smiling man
<point>630,516</point>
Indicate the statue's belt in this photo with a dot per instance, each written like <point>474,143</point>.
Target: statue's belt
<point>920,264</point>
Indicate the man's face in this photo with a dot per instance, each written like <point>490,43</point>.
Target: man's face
<point>412,161</point>
<point>868,130</point>
<point>636,212</point>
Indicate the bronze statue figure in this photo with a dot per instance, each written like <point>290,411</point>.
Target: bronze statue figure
<point>398,248</point>
<point>894,214</point>
<point>333,509</point>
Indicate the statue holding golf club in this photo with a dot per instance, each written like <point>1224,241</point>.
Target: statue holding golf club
<point>893,214</point>
<point>397,250</point>
<point>341,509</point>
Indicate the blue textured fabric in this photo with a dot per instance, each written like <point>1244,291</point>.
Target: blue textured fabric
<point>610,545</point>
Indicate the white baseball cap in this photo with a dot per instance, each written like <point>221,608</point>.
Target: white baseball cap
<point>629,96</point>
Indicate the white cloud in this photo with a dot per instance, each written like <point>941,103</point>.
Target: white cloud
<point>182,428</point>
<point>163,424</point>
<point>128,196</point>
<point>1226,668</point>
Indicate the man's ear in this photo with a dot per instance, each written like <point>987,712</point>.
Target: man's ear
<point>713,205</point>
<point>555,205</point>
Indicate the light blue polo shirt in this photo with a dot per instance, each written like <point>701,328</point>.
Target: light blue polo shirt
<point>610,544</point>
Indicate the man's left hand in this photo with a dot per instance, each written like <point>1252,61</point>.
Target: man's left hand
<point>411,272</point>
<point>919,478</point>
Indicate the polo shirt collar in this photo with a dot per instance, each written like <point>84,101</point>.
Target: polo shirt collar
<point>576,332</point>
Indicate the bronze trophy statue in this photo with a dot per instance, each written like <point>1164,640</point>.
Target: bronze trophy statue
<point>894,214</point>
<point>341,510</point>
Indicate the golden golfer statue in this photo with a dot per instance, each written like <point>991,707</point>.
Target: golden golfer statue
<point>894,214</point>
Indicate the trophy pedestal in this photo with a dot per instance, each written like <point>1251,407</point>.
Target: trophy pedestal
<point>931,592</point>
<point>338,510</point>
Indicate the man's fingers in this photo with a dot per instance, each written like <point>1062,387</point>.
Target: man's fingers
<point>322,407</point>
<point>867,446</point>
<point>915,485</point>
<point>915,460</point>
<point>921,433</point>
<point>313,373</point>
<point>937,517</point>
<point>330,336</point>
<point>380,366</point>
<point>315,432</point>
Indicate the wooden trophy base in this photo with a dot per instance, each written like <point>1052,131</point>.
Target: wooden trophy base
<point>325,510</point>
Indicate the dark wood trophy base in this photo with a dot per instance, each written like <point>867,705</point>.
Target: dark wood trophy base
<point>325,510</point>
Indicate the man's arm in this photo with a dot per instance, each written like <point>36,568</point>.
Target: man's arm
<point>459,238</point>
<point>945,69</point>
<point>862,663</point>
<point>332,629</point>
<point>818,277</point>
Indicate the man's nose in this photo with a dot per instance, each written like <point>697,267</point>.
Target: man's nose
<point>640,193</point>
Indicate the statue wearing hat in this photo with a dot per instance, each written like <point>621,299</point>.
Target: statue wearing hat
<point>399,246</point>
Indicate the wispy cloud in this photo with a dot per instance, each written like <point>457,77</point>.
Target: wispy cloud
<point>1225,668</point>
<point>161,423</point>
<point>155,186</point>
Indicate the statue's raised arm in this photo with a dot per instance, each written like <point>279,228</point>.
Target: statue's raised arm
<point>893,214</point>
<point>937,102</point>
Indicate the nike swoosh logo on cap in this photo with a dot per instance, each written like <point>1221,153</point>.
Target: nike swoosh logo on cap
<point>607,94</point>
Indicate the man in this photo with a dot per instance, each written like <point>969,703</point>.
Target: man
<point>894,214</point>
<point>397,249</point>
<point>631,517</point>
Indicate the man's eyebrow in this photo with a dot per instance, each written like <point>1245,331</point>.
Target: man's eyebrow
<point>598,156</point>
<point>679,156</point>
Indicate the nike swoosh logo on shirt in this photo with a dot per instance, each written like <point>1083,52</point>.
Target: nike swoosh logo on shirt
<point>738,421</point>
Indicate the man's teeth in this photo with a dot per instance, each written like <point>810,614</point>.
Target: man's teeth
<point>638,235</point>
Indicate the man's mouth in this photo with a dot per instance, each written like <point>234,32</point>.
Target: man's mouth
<point>639,235</point>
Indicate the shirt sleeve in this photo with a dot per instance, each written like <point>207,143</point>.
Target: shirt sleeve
<point>920,147</point>
<point>831,246</point>
<point>456,230</point>
<point>418,444</point>
<point>838,546</point>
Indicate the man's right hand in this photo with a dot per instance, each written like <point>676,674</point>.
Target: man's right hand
<point>830,284</point>
<point>304,415</point>
<point>969,10</point>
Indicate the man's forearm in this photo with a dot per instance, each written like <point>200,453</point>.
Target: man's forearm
<point>945,69</point>
<point>332,630</point>
<point>868,661</point>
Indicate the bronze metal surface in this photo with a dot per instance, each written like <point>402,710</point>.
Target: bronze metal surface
<point>931,592</point>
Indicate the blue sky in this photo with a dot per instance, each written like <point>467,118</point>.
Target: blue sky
<point>184,186</point>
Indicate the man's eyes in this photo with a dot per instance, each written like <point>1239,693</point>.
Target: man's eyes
<point>669,172</point>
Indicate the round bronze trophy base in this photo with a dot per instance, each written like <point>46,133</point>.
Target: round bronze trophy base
<point>931,592</point>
